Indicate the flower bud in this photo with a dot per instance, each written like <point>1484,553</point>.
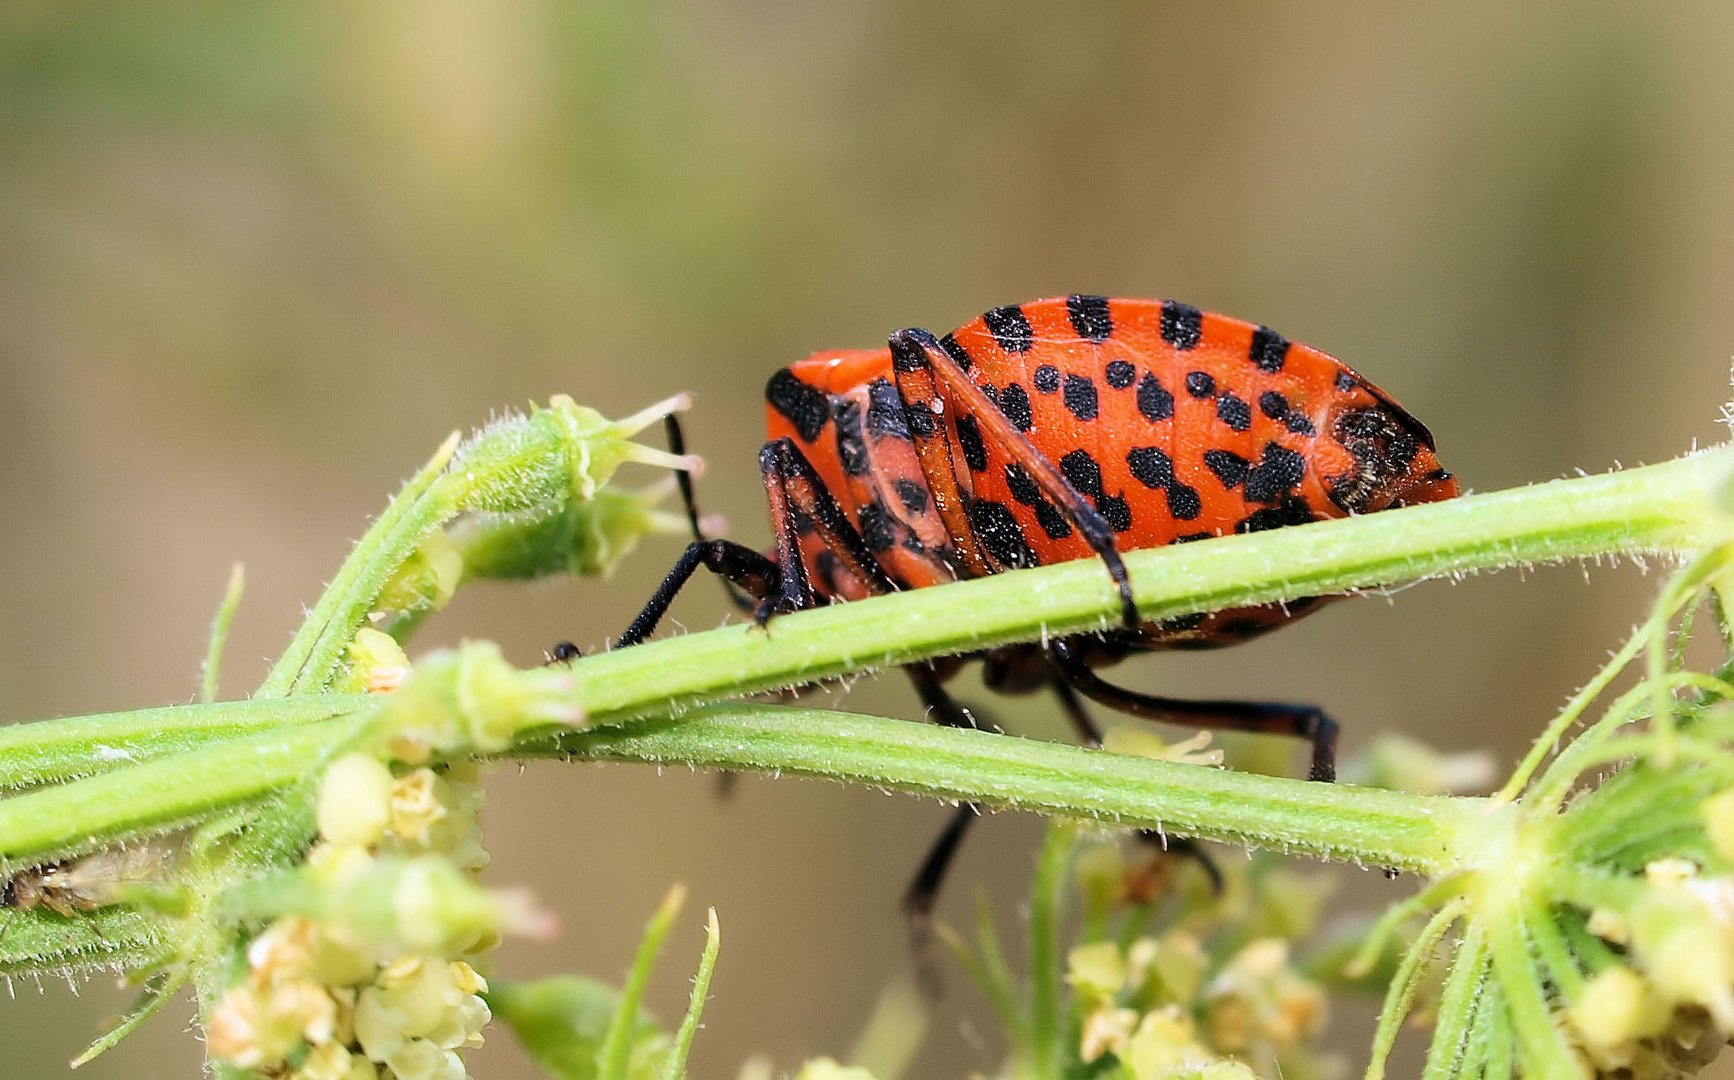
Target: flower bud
<point>355,799</point>
<point>1687,950</point>
<point>1097,971</point>
<point>1718,813</point>
<point>1617,1008</point>
<point>377,664</point>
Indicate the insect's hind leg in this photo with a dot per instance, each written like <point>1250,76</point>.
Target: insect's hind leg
<point>1302,721</point>
<point>923,891</point>
<point>1091,735</point>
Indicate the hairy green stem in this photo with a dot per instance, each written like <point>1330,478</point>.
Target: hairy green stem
<point>1386,828</point>
<point>314,654</point>
<point>53,822</point>
<point>1658,508</point>
<point>52,751</point>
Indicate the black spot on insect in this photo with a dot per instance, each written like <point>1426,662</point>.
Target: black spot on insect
<point>1154,401</point>
<point>1150,466</point>
<point>876,527</point>
<point>1090,317</point>
<point>1080,396</point>
<point>851,443</point>
<point>1182,623</point>
<point>912,495</point>
<point>1022,488</point>
<point>1346,381</point>
<point>1291,511</point>
<point>1119,374</point>
<point>1084,472</point>
<point>1047,378</point>
<point>800,521</point>
<point>1116,511</point>
<point>801,405</point>
<point>1010,328</point>
<point>1200,384</point>
<point>1269,349</point>
<point>1015,403</point>
<point>954,349</point>
<point>1187,538</point>
<point>827,564</point>
<point>1182,324</point>
<point>1277,473</point>
<point>1273,404</point>
<point>1234,412</point>
<point>991,392</point>
<point>919,420</point>
<point>885,411</point>
<point>1299,424</point>
<point>969,438</point>
<point>1229,467</point>
<point>1183,501</point>
<point>999,534</point>
<point>1053,522</point>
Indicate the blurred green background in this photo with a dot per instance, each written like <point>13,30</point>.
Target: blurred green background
<point>256,260</point>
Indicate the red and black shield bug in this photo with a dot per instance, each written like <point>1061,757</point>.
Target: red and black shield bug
<point>1066,428</point>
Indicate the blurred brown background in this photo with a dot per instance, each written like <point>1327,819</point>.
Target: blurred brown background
<point>256,261</point>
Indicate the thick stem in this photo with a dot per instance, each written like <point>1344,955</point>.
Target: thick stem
<point>66,819</point>
<point>52,751</point>
<point>1658,508</point>
<point>1380,828</point>
<point>314,654</point>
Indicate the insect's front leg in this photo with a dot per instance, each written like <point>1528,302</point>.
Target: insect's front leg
<point>929,377</point>
<point>800,500</point>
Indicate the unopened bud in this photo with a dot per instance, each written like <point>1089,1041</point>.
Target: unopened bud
<point>355,801</point>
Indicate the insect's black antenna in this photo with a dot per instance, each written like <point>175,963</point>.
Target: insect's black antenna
<point>677,445</point>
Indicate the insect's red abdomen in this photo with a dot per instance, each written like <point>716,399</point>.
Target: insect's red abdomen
<point>1173,423</point>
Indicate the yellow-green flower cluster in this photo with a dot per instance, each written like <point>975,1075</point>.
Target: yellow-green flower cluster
<point>1191,1001</point>
<point>372,977</point>
<point>1670,1010</point>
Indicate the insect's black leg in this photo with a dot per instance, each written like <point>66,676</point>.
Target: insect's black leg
<point>923,892</point>
<point>798,494</point>
<point>926,372</point>
<point>794,493</point>
<point>562,652</point>
<point>1171,845</point>
<point>677,445</point>
<point>1303,721</point>
<point>737,563</point>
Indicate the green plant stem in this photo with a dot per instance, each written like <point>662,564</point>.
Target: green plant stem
<point>66,819</point>
<point>51,751</point>
<point>220,634</point>
<point>616,1050</point>
<point>1457,1001</point>
<point>313,656</point>
<point>1664,507</point>
<point>1387,828</point>
<point>675,1069</point>
<point>1047,899</point>
<point>1405,985</point>
<point>1657,508</point>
